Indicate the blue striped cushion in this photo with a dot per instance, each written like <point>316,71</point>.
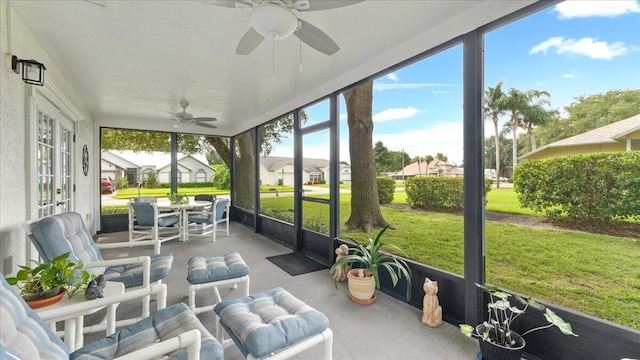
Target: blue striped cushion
<point>131,274</point>
<point>215,268</point>
<point>160,326</point>
<point>264,323</point>
<point>23,334</point>
<point>65,233</point>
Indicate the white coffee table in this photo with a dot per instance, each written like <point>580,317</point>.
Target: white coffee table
<point>74,323</point>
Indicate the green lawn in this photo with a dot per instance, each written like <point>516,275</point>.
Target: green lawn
<point>594,274</point>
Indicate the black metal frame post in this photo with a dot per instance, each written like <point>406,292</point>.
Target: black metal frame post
<point>334,169</point>
<point>297,180</point>
<point>174,162</point>
<point>474,266</point>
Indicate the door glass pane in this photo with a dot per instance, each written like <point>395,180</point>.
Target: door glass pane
<point>64,198</point>
<point>315,114</point>
<point>315,176</point>
<point>45,163</point>
<point>276,169</point>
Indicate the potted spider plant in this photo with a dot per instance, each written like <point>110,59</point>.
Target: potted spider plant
<point>363,281</point>
<point>497,340</point>
<point>51,280</point>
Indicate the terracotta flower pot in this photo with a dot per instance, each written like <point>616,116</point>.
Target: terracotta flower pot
<point>361,289</point>
<point>42,302</point>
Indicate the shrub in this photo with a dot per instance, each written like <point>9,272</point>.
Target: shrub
<point>386,188</point>
<point>438,192</point>
<point>152,181</point>
<point>601,187</point>
<point>123,182</point>
<point>323,181</point>
<point>222,178</point>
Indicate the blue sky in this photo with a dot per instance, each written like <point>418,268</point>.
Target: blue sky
<point>574,48</point>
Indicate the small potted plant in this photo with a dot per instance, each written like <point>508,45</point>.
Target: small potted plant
<point>177,198</point>
<point>497,340</point>
<point>363,281</point>
<point>51,280</point>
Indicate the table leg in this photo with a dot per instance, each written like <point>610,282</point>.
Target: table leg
<point>185,225</point>
<point>79,332</point>
<point>70,333</point>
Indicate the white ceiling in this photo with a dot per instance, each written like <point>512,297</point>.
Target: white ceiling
<point>131,61</point>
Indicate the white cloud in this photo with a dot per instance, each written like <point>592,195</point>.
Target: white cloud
<point>443,137</point>
<point>585,46</point>
<point>392,76</point>
<point>395,114</point>
<point>569,76</point>
<point>576,9</point>
<point>382,87</point>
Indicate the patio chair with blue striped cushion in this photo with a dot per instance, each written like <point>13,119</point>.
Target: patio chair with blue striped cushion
<point>174,332</point>
<point>205,222</point>
<point>67,233</point>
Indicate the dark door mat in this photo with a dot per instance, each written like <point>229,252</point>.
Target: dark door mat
<point>296,263</point>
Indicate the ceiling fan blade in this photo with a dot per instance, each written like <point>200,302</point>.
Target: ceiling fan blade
<point>205,125</point>
<point>316,38</point>
<point>204,119</point>
<point>224,3</point>
<point>249,42</point>
<point>315,5</point>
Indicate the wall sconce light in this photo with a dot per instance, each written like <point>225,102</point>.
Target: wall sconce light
<point>32,71</point>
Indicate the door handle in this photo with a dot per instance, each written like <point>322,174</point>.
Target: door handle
<point>59,203</point>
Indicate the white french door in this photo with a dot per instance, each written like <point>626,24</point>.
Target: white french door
<point>54,142</point>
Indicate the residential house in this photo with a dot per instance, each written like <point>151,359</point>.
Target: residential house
<point>623,135</point>
<point>137,166</point>
<point>437,168</point>
<point>277,170</point>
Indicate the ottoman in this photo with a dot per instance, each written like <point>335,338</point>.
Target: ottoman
<point>213,271</point>
<point>272,325</point>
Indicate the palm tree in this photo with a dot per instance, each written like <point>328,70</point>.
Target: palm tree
<point>494,106</point>
<point>533,116</point>
<point>517,102</point>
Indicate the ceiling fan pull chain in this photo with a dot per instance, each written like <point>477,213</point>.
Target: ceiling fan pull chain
<point>273,58</point>
<point>300,55</point>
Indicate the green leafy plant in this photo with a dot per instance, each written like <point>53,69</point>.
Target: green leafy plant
<point>372,259</point>
<point>497,329</point>
<point>177,198</point>
<point>60,271</point>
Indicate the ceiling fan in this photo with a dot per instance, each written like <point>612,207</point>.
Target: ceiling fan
<point>276,20</point>
<point>185,117</point>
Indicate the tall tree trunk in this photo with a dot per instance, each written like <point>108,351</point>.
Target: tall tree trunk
<point>532,137</point>
<point>497,139</point>
<point>245,171</point>
<point>365,204</point>
<point>514,134</point>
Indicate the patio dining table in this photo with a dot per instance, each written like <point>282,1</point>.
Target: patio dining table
<point>183,207</point>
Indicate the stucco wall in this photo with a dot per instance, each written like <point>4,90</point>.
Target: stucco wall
<point>15,169</point>
<point>576,150</point>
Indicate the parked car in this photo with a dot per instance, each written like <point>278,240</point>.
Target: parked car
<point>106,185</point>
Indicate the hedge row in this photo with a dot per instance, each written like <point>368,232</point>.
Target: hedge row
<point>386,188</point>
<point>438,192</point>
<point>603,186</point>
<point>189,184</point>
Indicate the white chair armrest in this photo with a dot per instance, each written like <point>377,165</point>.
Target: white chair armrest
<point>167,214</point>
<point>189,339</point>
<point>85,306</point>
<point>155,243</point>
<point>144,260</point>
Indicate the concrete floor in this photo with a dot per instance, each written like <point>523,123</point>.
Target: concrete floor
<point>386,329</point>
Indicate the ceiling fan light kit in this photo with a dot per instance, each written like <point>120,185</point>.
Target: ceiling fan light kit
<point>273,21</point>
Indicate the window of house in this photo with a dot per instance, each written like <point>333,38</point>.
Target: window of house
<point>201,176</point>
